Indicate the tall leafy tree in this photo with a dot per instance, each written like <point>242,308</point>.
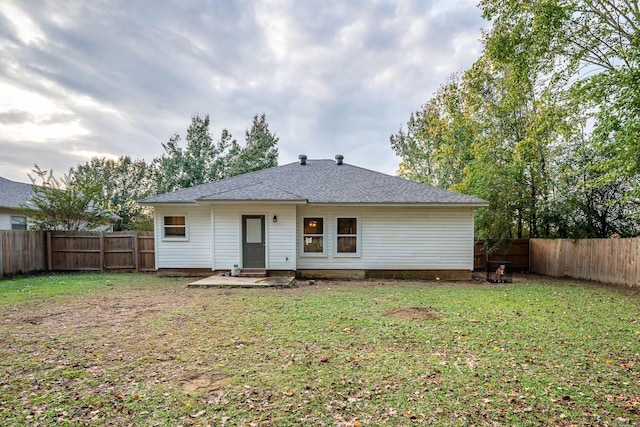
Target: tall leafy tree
<point>547,68</point>
<point>436,145</point>
<point>203,161</point>
<point>200,161</point>
<point>64,204</point>
<point>121,183</point>
<point>596,43</point>
<point>260,150</point>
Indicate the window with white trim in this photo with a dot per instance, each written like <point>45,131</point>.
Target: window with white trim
<point>313,235</point>
<point>347,243</point>
<point>18,222</point>
<point>175,227</point>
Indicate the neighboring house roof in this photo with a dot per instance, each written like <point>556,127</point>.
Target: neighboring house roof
<point>317,181</point>
<point>14,194</point>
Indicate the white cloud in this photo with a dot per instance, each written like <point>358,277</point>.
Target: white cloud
<point>119,77</point>
<point>22,25</point>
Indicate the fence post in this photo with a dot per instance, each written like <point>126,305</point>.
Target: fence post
<point>134,242</point>
<point>101,251</point>
<point>1,261</point>
<point>49,252</point>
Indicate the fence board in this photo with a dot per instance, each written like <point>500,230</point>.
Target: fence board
<point>22,252</point>
<point>615,261</point>
<point>516,252</point>
<point>146,254</point>
<point>30,251</point>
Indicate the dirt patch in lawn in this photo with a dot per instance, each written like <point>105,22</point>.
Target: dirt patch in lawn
<point>415,313</point>
<point>201,381</point>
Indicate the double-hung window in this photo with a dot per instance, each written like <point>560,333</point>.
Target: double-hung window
<point>347,243</point>
<point>175,227</point>
<point>18,222</point>
<point>313,236</point>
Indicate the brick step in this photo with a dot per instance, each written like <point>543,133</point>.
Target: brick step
<point>253,273</point>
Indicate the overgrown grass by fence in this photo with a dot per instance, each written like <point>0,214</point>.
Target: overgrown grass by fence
<point>31,251</point>
<point>615,261</point>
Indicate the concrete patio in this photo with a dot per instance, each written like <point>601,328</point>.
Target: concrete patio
<point>243,282</point>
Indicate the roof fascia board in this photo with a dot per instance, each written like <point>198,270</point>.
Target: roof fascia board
<point>244,202</point>
<point>177,204</point>
<point>431,204</point>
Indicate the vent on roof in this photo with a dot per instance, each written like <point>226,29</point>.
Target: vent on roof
<point>339,158</point>
<point>303,159</point>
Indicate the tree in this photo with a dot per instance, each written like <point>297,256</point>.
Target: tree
<point>201,161</point>
<point>595,44</point>
<point>64,204</point>
<point>585,206</point>
<point>121,183</point>
<point>204,161</point>
<point>511,128</point>
<point>260,150</point>
<point>490,132</point>
<point>437,143</point>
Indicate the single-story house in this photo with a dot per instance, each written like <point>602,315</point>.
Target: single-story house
<point>317,218</point>
<point>13,195</point>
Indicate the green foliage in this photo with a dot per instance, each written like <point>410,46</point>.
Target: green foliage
<point>436,145</point>
<point>595,44</point>
<point>64,204</point>
<point>586,205</point>
<point>511,129</point>
<point>121,183</point>
<point>260,150</point>
<point>203,161</point>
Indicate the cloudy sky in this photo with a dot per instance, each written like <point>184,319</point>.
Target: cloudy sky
<point>80,79</point>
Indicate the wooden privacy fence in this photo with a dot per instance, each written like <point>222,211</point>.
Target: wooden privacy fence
<point>615,261</point>
<point>29,251</point>
<point>22,251</point>
<point>515,251</point>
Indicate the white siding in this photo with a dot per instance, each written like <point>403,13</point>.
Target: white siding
<point>420,238</point>
<point>5,219</point>
<point>280,235</point>
<point>281,238</point>
<point>195,251</point>
<point>391,238</point>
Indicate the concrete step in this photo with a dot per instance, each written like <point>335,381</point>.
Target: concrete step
<point>252,273</point>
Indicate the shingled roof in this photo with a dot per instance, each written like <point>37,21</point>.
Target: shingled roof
<point>14,194</point>
<point>316,181</point>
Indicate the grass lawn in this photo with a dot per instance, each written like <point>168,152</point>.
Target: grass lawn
<point>131,349</point>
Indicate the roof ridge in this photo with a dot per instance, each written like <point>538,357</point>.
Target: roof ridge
<point>252,184</point>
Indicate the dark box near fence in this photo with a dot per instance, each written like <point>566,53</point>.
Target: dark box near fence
<point>499,272</point>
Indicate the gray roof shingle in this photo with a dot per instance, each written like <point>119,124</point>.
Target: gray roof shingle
<point>319,181</point>
<point>14,194</point>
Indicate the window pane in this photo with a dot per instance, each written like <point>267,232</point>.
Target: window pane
<point>347,226</point>
<point>175,231</point>
<point>18,222</point>
<point>174,220</point>
<point>313,226</point>
<point>254,230</point>
<point>313,244</point>
<point>347,245</point>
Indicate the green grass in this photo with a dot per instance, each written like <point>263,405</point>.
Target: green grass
<point>29,290</point>
<point>136,349</point>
